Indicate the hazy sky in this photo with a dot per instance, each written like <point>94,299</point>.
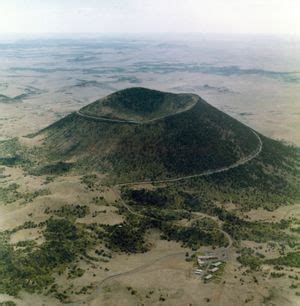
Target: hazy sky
<point>138,16</point>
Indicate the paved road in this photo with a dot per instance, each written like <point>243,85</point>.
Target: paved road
<point>228,247</point>
<point>238,163</point>
<point>103,119</point>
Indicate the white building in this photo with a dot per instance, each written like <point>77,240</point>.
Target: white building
<point>207,277</point>
<point>207,257</point>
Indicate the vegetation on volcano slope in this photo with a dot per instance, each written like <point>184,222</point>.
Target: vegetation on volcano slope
<point>270,180</point>
<point>188,143</point>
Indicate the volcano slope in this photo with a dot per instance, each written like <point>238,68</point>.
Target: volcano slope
<point>139,134</point>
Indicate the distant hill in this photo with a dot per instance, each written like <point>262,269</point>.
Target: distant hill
<point>141,134</point>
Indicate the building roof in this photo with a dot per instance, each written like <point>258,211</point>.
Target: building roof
<point>214,269</point>
<point>207,257</point>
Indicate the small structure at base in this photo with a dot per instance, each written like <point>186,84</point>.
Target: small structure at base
<point>214,269</point>
<point>207,277</point>
<point>200,262</point>
<point>217,264</point>
<point>204,259</point>
<point>207,257</point>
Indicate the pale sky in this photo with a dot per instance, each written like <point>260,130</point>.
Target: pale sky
<point>150,16</point>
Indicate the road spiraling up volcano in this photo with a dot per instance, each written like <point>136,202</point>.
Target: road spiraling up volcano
<point>208,172</point>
